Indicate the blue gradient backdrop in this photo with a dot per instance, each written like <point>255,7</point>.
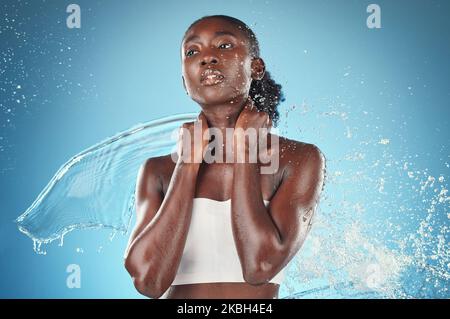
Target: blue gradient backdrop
<point>63,90</point>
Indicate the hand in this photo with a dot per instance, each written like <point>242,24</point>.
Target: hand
<point>250,119</point>
<point>193,140</point>
<point>250,116</point>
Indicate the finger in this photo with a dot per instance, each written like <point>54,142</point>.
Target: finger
<point>202,119</point>
<point>187,124</point>
<point>248,103</point>
<point>252,104</point>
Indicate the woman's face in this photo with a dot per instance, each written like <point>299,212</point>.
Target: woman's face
<point>216,64</point>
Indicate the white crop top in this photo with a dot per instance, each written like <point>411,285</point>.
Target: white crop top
<point>210,253</point>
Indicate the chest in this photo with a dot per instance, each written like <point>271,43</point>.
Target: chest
<point>215,181</point>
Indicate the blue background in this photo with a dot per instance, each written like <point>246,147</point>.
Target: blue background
<point>63,90</point>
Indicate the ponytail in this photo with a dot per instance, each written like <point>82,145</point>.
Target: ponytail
<point>267,95</point>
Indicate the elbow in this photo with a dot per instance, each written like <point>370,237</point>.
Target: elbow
<point>258,275</point>
<point>256,278</point>
<point>145,281</point>
<point>147,289</point>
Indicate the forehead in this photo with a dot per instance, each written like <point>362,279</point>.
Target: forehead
<point>212,27</point>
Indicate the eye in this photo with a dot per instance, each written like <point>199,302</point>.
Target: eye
<point>190,52</point>
<point>225,46</point>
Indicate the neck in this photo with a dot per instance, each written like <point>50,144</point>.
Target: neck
<point>224,115</point>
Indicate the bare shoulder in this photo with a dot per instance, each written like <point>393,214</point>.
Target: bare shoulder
<point>163,166</point>
<point>303,171</point>
<point>295,155</point>
<point>159,165</point>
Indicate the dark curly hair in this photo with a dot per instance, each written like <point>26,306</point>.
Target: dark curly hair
<point>265,93</point>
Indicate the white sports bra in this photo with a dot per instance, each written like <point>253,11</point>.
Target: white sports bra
<point>210,253</point>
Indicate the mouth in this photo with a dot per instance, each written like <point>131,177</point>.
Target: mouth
<point>211,77</point>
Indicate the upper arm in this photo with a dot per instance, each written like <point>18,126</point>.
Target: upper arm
<point>296,199</point>
<point>148,195</point>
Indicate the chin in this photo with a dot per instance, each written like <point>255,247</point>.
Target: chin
<point>215,95</point>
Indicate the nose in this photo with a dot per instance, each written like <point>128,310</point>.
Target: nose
<point>209,58</point>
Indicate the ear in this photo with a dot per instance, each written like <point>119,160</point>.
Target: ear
<point>258,68</point>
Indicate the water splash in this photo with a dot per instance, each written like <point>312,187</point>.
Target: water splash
<point>95,188</point>
<point>381,230</point>
<point>371,238</point>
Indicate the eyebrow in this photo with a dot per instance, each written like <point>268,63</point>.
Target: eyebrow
<point>216,34</point>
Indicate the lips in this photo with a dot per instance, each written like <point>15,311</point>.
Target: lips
<point>211,77</point>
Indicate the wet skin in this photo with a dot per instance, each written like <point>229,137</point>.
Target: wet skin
<point>164,193</point>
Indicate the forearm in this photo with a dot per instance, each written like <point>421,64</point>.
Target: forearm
<point>258,240</point>
<point>154,255</point>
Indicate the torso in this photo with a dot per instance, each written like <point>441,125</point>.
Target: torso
<point>214,181</point>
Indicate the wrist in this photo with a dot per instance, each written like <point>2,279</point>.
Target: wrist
<point>246,150</point>
<point>191,167</point>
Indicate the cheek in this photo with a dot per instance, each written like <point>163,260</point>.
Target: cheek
<point>245,78</point>
<point>247,69</point>
<point>241,69</point>
<point>189,74</point>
